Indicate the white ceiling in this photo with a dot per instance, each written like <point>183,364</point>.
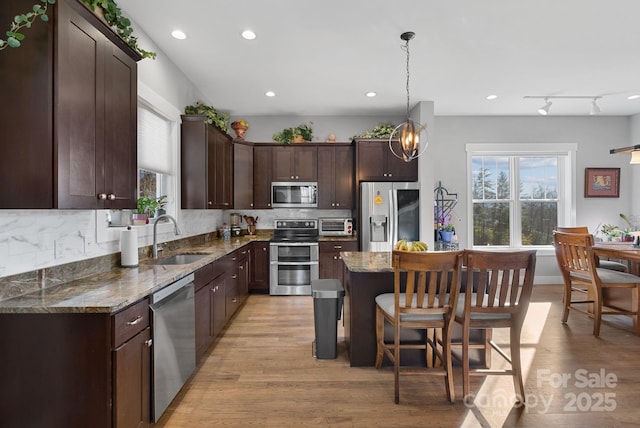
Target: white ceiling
<point>320,57</point>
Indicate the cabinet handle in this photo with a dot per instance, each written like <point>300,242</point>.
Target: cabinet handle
<point>135,321</point>
<point>241,267</point>
<point>335,257</point>
<point>111,196</point>
<point>390,175</point>
<point>234,276</point>
<point>233,258</point>
<point>251,204</point>
<point>337,204</point>
<point>148,343</point>
<point>102,196</point>
<point>234,300</point>
<point>337,247</point>
<point>297,177</point>
<point>209,203</point>
<point>292,177</point>
<point>244,252</point>
<point>264,248</point>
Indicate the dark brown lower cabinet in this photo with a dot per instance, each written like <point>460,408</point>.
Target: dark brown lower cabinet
<point>132,373</point>
<point>76,369</point>
<point>330,263</point>
<point>259,276</point>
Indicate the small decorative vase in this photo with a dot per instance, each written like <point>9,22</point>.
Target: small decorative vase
<point>298,139</point>
<point>446,236</point>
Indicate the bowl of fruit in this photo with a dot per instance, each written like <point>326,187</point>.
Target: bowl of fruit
<point>404,245</point>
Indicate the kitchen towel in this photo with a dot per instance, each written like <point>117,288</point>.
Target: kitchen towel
<point>129,247</point>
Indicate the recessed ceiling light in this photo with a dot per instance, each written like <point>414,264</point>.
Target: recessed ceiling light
<point>371,94</point>
<point>491,97</point>
<point>178,34</point>
<point>633,97</point>
<point>248,34</point>
<point>270,94</point>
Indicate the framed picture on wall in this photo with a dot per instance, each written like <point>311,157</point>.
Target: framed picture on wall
<point>602,182</point>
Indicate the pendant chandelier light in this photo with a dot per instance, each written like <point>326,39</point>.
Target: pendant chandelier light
<point>408,132</point>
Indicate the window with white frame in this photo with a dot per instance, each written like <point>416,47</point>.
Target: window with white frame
<point>519,193</point>
<point>155,160</point>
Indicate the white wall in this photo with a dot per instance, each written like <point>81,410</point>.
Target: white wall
<point>595,136</point>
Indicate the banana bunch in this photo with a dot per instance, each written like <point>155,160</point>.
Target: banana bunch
<point>404,245</point>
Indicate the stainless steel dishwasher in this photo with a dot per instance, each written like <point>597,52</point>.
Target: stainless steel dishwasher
<point>174,344</point>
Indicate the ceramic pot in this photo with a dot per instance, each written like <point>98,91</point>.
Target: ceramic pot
<point>446,236</point>
<point>140,219</point>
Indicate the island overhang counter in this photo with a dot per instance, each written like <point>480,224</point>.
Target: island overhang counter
<point>366,275</point>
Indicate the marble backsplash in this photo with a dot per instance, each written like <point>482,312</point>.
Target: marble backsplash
<point>42,248</point>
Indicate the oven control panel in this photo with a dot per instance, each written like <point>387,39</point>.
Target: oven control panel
<point>296,224</point>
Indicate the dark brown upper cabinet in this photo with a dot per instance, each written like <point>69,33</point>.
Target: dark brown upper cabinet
<point>375,162</point>
<point>262,173</point>
<point>69,117</point>
<point>206,165</point>
<point>295,163</point>
<point>335,176</point>
<point>242,175</point>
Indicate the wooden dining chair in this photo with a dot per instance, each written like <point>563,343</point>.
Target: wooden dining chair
<point>576,259</point>
<point>499,299</point>
<point>605,264</point>
<point>428,301</point>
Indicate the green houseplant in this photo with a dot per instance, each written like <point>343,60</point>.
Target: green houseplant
<point>304,132</point>
<point>381,130</point>
<point>213,116</point>
<point>119,23</point>
<point>107,9</point>
<point>25,20</point>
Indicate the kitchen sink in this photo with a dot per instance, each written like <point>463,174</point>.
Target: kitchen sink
<point>180,259</point>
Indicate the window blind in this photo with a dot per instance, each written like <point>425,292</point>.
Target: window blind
<point>154,142</point>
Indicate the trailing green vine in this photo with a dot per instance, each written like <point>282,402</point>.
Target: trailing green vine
<point>119,23</point>
<point>112,15</point>
<point>213,116</point>
<point>25,20</point>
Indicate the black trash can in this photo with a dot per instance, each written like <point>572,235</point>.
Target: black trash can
<point>328,296</point>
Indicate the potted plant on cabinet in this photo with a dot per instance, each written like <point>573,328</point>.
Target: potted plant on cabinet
<point>299,134</point>
<point>211,115</point>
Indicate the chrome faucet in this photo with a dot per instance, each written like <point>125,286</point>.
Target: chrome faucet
<point>155,235</point>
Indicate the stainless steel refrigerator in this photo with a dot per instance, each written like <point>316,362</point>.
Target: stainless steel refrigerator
<point>388,212</point>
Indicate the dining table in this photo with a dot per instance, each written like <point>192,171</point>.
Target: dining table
<point>620,250</point>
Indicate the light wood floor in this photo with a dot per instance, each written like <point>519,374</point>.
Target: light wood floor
<point>261,373</point>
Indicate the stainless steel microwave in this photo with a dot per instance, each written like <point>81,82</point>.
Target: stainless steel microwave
<point>294,194</point>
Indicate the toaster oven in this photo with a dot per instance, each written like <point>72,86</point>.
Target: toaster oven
<point>335,226</point>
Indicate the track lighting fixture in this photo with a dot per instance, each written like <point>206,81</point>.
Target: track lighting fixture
<point>544,110</point>
<point>595,109</point>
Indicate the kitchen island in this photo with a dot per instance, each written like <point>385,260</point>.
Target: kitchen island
<point>367,274</point>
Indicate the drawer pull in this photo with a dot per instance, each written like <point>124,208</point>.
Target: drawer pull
<point>135,321</point>
<point>148,343</point>
<point>337,247</point>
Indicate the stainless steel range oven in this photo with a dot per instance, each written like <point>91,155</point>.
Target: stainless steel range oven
<point>294,257</point>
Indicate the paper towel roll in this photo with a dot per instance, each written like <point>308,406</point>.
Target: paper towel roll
<point>129,247</point>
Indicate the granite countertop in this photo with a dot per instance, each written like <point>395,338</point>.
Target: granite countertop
<point>357,261</point>
<point>110,291</point>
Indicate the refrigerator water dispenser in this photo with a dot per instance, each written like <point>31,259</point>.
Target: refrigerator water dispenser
<point>378,225</point>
